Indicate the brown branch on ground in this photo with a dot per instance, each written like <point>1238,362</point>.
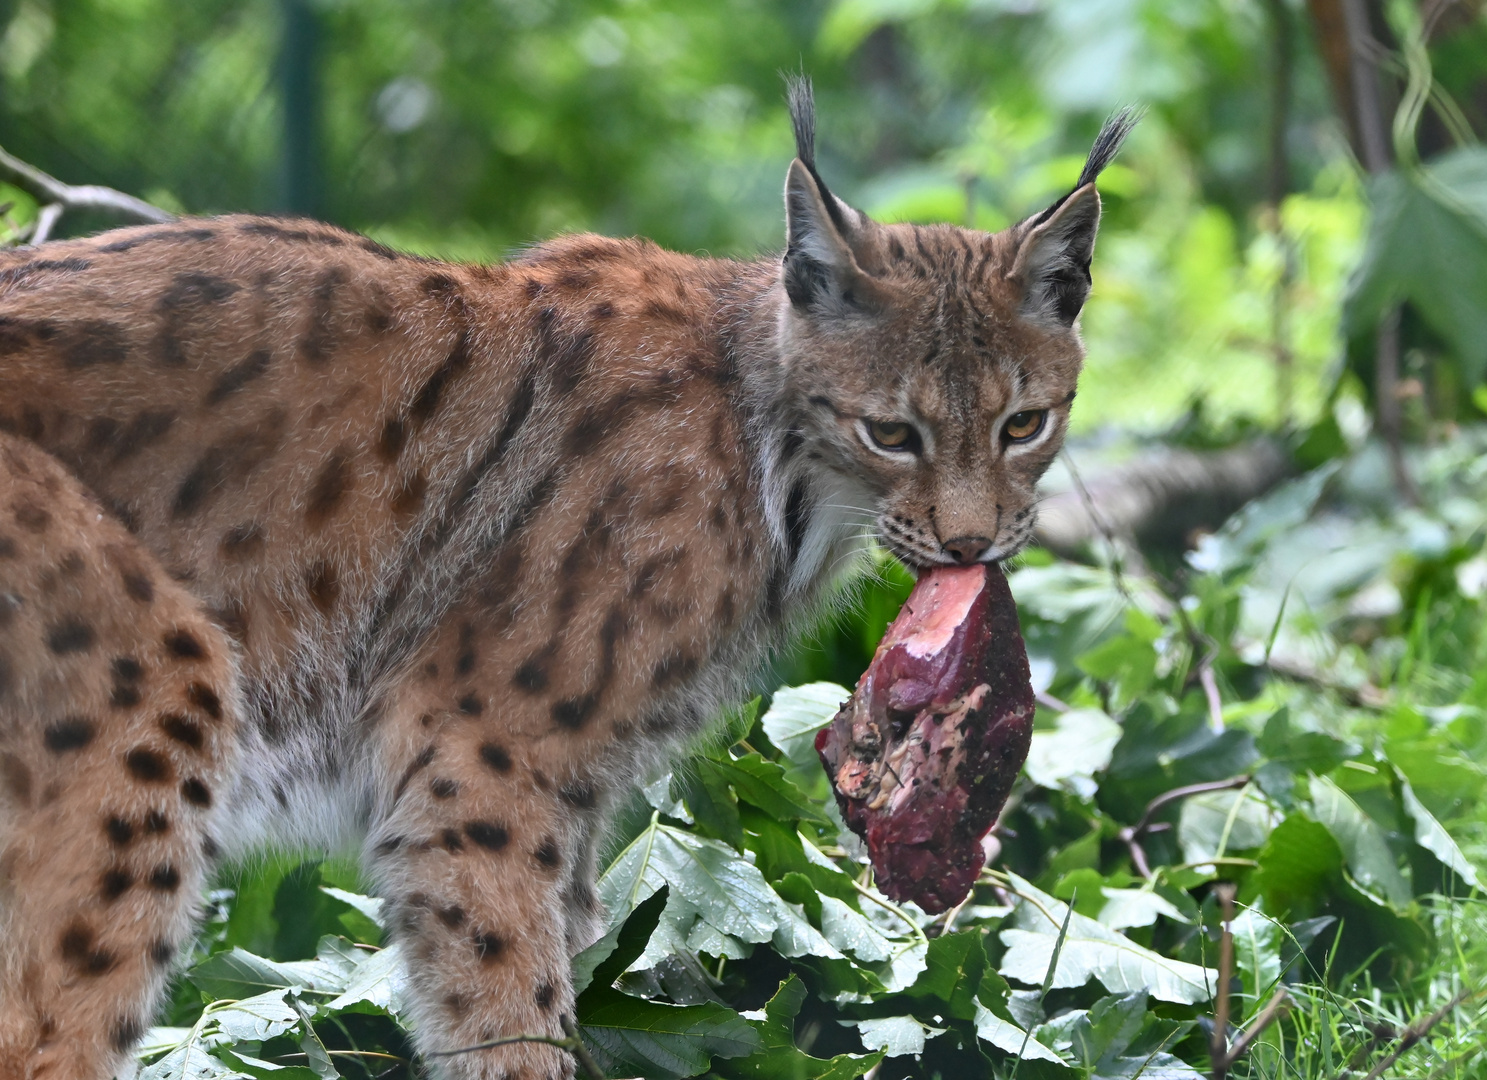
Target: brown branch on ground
<point>56,198</point>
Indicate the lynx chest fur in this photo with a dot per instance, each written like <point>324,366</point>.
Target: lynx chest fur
<point>307,541</point>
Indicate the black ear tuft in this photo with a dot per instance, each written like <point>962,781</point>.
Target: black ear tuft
<point>1112,134</point>
<point>1107,144</point>
<point>802,98</point>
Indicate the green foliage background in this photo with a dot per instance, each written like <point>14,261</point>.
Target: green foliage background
<point>1319,663</point>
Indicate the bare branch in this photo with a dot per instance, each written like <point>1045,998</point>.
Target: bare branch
<point>46,221</point>
<point>1268,1015</point>
<point>50,190</point>
<point>1417,1031</point>
<point>1219,1046</point>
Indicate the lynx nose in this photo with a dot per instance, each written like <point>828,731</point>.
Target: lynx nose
<point>966,549</point>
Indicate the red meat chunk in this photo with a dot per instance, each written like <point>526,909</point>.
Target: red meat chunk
<point>923,755</point>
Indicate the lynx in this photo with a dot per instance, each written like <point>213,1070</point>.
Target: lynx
<point>308,542</point>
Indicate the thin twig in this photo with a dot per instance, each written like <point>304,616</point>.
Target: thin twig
<point>1210,686</point>
<point>1219,1044</point>
<point>573,1043</point>
<point>1268,1015</point>
<point>1101,525</point>
<point>46,220</point>
<point>49,189</point>
<point>1131,835</point>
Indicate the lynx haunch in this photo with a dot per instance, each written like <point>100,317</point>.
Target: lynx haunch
<point>307,542</point>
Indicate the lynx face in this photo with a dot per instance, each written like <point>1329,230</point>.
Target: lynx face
<point>937,364</point>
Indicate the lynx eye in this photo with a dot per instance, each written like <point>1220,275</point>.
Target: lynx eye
<point>1024,425</point>
<point>891,434</point>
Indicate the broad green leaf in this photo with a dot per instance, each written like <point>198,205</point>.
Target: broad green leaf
<point>609,957</point>
<point>852,932</point>
<point>1257,943</point>
<point>765,784</point>
<point>711,885</point>
<point>1102,1034</point>
<point>1370,861</point>
<point>1428,245</point>
<point>317,1057</point>
<point>1216,823</point>
<point>1136,907</point>
<point>795,936</point>
<point>709,801</point>
<point>778,1058</point>
<point>1068,757</point>
<point>158,1040</point>
<point>1007,1036</point>
<point>794,717</point>
<point>258,1018</point>
<point>896,1036</point>
<point>632,1036</point>
<point>951,975</point>
<point>1091,951</point>
<point>1433,838</point>
<point>370,906</point>
<point>240,974</point>
<point>191,1061</point>
<point>377,980</point>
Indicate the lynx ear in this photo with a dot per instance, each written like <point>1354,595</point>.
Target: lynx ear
<point>819,266</point>
<point>820,270</point>
<point>1056,245</point>
<point>1053,259</point>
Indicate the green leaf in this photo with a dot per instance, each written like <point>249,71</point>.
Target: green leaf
<point>608,958</point>
<point>1090,951</point>
<point>765,785</point>
<point>191,1061</point>
<point>1103,1033</point>
<point>709,800</point>
<point>1123,908</point>
<point>793,718</point>
<point>378,980</point>
<point>258,1018</point>
<point>1369,859</point>
<point>778,1058</point>
<point>240,974</point>
<point>717,896</point>
<point>1215,823</point>
<point>952,974</point>
<point>1433,838</point>
<point>1007,1036</point>
<point>852,932</point>
<point>1428,245</point>
<point>1257,943</point>
<point>896,1036</point>
<point>316,1055</point>
<point>1068,757</point>
<point>632,1036</point>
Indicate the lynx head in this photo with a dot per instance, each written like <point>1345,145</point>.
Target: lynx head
<point>932,368</point>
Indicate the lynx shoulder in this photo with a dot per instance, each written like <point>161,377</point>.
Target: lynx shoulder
<point>305,541</point>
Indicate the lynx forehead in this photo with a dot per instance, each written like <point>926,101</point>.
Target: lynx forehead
<point>303,540</point>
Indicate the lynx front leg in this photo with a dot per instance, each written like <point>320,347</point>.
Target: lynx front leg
<point>115,744</point>
<point>474,856</point>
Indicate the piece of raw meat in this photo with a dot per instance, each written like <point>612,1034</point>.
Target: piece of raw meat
<point>923,755</point>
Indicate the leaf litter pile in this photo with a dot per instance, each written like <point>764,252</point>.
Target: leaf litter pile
<point>1333,775</point>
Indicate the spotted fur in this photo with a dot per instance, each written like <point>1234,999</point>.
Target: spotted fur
<point>307,541</point>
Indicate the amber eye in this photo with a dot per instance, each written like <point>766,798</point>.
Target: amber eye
<point>1024,425</point>
<point>891,434</point>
